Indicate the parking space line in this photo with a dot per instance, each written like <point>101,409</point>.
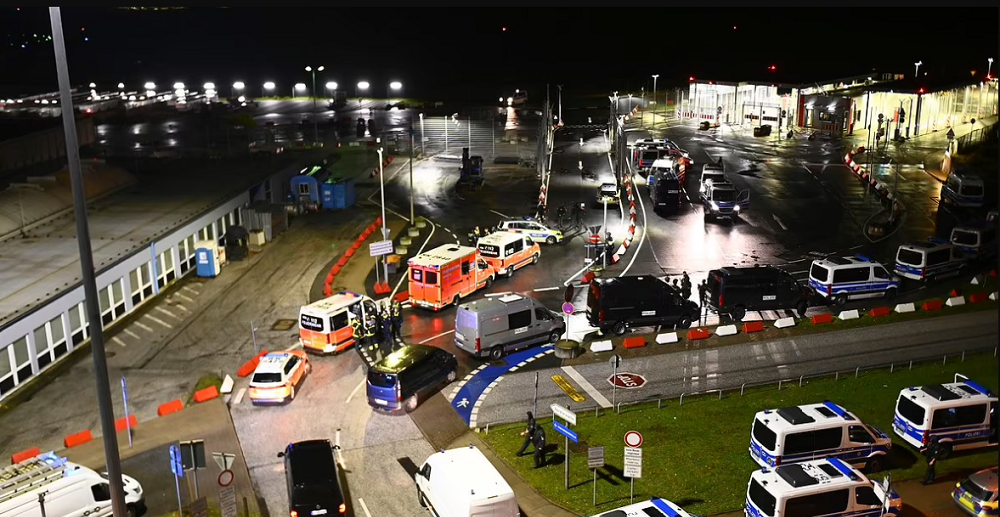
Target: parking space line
<point>185,298</point>
<point>168,313</point>
<point>190,289</point>
<point>143,326</point>
<point>158,320</point>
<point>587,386</point>
<point>118,341</point>
<point>133,334</point>
<point>364,507</point>
<point>437,336</point>
<point>540,289</point>
<point>181,307</point>
<point>239,396</point>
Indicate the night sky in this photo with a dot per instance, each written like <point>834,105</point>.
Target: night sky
<point>465,53</point>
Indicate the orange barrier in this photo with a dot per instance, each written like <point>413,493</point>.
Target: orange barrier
<point>753,326</point>
<point>378,220</point>
<point>206,394</point>
<point>26,454</point>
<point>334,271</point>
<point>954,293</point>
<point>77,439</point>
<point>933,305</point>
<point>170,407</point>
<point>327,291</point>
<point>821,319</point>
<point>587,277</point>
<point>357,244</point>
<point>402,297</point>
<point>879,312</point>
<point>978,297</point>
<point>349,253</point>
<point>329,277</point>
<point>343,261</point>
<point>634,342</point>
<point>251,365</point>
<point>121,426</point>
<point>695,334</point>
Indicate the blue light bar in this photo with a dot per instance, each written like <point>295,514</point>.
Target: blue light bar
<point>978,387</point>
<point>842,467</point>
<point>863,258</point>
<point>837,410</point>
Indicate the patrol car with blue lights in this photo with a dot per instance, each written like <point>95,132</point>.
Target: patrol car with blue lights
<point>961,415</point>
<point>536,231</point>
<point>827,487</point>
<point>840,279</point>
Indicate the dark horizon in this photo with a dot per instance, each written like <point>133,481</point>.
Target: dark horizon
<point>466,53</point>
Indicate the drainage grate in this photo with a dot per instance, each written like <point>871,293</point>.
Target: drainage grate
<point>281,325</point>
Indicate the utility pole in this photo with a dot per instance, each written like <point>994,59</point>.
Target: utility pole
<point>654,99</point>
<point>559,86</point>
<point>413,219</point>
<point>105,407</point>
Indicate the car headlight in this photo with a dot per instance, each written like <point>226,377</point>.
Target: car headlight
<point>736,208</point>
<point>715,207</point>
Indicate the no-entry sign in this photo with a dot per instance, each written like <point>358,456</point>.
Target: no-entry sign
<point>627,380</point>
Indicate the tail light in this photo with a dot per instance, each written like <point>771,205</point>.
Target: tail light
<point>478,343</point>
<point>777,461</point>
<point>293,513</point>
<point>600,315</point>
<point>829,289</point>
<point>926,438</point>
<point>722,300</point>
<point>923,272</point>
<point>343,508</point>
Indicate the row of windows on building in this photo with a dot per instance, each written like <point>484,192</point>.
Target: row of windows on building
<point>58,336</point>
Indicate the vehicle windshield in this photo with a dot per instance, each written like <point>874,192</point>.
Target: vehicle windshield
<point>726,196</point>
<point>910,257</point>
<point>910,411</point>
<point>381,380</point>
<point>972,190</point>
<point>761,498</point>
<point>819,273</point>
<point>650,155</point>
<point>266,378</point>
<point>976,491</point>
<point>965,237</point>
<point>764,436</point>
<point>489,250</point>
<point>609,189</point>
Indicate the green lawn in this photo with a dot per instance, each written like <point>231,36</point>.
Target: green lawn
<point>696,454</point>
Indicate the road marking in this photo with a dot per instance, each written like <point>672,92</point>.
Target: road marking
<point>783,227</point>
<point>145,327</point>
<point>421,250</point>
<point>364,507</point>
<point>185,298</point>
<point>589,388</point>
<point>356,388</point>
<point>168,313</point>
<point>340,453</point>
<point>505,216</point>
<point>158,320</point>
<point>239,396</point>
<point>181,307</point>
<point>498,294</point>
<point>435,337</point>
<point>296,346</point>
<point>118,341</point>
<point>540,289</point>
<point>133,334</point>
<point>190,289</point>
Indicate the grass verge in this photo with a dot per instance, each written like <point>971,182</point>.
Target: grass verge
<point>205,381</point>
<point>696,454</point>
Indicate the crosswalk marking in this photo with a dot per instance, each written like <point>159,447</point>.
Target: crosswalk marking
<point>118,341</point>
<point>168,313</point>
<point>133,334</point>
<point>143,326</point>
<point>158,320</point>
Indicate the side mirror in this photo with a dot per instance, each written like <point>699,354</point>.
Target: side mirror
<point>336,447</point>
<point>281,454</point>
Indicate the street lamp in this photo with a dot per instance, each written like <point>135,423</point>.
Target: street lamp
<point>269,86</point>
<point>238,85</point>
<point>150,85</point>
<point>394,86</point>
<point>121,86</point>
<point>331,86</point>
<point>654,100</point>
<point>93,85</point>
<point>916,72</point>
<point>989,68</point>
<point>299,87</point>
<point>313,71</point>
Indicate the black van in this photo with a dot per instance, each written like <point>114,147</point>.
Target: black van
<point>734,290</point>
<point>402,377</point>
<point>665,191</point>
<point>616,304</point>
<point>313,480</point>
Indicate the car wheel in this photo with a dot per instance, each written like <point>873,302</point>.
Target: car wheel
<point>945,452</point>
<point>131,510</point>
<point>420,497</point>
<point>801,308</point>
<point>555,335</point>
<point>891,294</point>
<point>489,282</point>
<point>551,240</point>
<point>291,392</point>
<point>840,300</point>
<point>411,403</point>
<point>534,258</point>
<point>456,300</point>
<point>684,322</point>
<point>874,465</point>
<point>619,328</point>
<point>496,353</point>
<point>510,272</point>
<point>452,375</point>
<point>738,313</point>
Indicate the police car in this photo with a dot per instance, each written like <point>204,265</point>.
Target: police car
<point>655,507</point>
<point>533,229</point>
<point>607,193</point>
<point>843,278</point>
<point>277,376</point>
<point>977,494</point>
<point>826,487</point>
<point>928,260</point>
<point>961,415</point>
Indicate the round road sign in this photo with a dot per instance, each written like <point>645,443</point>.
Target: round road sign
<point>567,308</point>
<point>226,478</point>
<point>633,439</point>
<point>595,239</point>
<point>627,380</point>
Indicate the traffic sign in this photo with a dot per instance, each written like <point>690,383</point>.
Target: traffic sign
<point>627,380</point>
<point>175,461</point>
<point>224,460</point>
<point>563,413</point>
<point>568,308</point>
<point>615,361</point>
<point>633,439</point>
<point>227,501</point>
<point>595,239</point>
<point>226,478</point>
<point>565,431</point>
<point>377,249</point>
<point>595,457</point>
<point>633,462</point>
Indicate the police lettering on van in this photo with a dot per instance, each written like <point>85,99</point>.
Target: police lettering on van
<point>843,278</point>
<point>827,487</point>
<point>813,431</point>
<point>961,415</point>
<point>928,260</point>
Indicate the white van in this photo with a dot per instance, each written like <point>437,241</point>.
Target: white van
<point>827,487</point>
<point>67,490</point>
<point>655,507</point>
<point>814,431</point>
<point>844,278</point>
<point>463,483</point>
<point>928,260</point>
<point>961,415</point>
<point>963,190</point>
<point>976,239</point>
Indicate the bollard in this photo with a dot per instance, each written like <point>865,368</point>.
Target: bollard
<point>720,394</point>
<point>890,367</point>
<point>911,364</point>
<point>944,361</point>
<point>800,380</point>
<point>856,372</point>
<point>963,356</point>
<point>779,384</point>
<point>682,399</point>
<point>744,385</point>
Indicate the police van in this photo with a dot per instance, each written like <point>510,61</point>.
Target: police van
<point>961,415</point>
<point>963,190</point>
<point>655,507</point>
<point>813,431</point>
<point>827,487</point>
<point>928,260</point>
<point>976,239</point>
<point>844,278</point>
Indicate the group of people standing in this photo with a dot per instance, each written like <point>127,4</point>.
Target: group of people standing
<point>385,326</point>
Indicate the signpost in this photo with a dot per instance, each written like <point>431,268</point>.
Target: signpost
<point>567,309</point>
<point>615,362</point>
<point>128,425</point>
<point>563,429</point>
<point>377,249</point>
<point>193,458</point>
<point>227,494</point>
<point>178,469</point>
<point>595,460</point>
<point>633,459</point>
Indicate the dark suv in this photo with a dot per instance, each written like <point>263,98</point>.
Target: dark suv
<point>313,480</point>
<point>734,290</point>
<point>616,304</point>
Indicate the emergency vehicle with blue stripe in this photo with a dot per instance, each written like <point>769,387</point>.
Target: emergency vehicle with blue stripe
<point>845,278</point>
<point>963,190</point>
<point>976,239</point>
<point>812,431</point>
<point>961,415</point>
<point>655,507</point>
<point>928,260</point>
<point>827,487</point>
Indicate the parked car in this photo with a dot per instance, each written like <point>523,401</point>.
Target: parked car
<point>313,480</point>
<point>616,304</point>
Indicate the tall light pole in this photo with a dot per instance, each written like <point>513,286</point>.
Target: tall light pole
<point>559,87</point>
<point>989,67</point>
<point>315,123</point>
<point>107,412</point>
<point>238,85</point>
<point>268,87</point>
<point>362,86</point>
<point>331,88</point>
<point>413,219</point>
<point>654,100</point>
<point>642,105</point>
<point>916,71</point>
<point>394,86</point>
<point>385,232</point>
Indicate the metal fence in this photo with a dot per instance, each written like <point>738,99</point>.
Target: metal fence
<point>683,390</point>
<point>484,132</point>
<point>978,136</point>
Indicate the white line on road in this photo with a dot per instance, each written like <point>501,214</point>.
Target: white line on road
<point>168,313</point>
<point>239,396</point>
<point>783,227</point>
<point>190,289</point>
<point>143,326</point>
<point>364,507</point>
<point>353,393</point>
<point>181,307</point>
<point>185,298</point>
<point>133,334</point>
<point>340,453</point>
<point>118,341</point>
<point>435,337</point>
<point>158,320</point>
<point>421,250</point>
<point>497,294</point>
<point>540,289</point>
<point>296,346</point>
<point>505,216</point>
<point>589,388</point>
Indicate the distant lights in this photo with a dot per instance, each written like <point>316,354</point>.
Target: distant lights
<point>209,86</point>
<point>238,85</point>
<point>329,86</point>
<point>300,86</point>
<point>363,85</point>
<point>150,86</point>
<point>269,85</point>
<point>395,85</point>
<point>93,85</point>
<point>121,86</point>
<point>178,85</point>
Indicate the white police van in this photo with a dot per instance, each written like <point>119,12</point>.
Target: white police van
<point>813,431</point>
<point>963,190</point>
<point>961,415</point>
<point>929,260</point>
<point>975,239</point>
<point>844,278</point>
<point>534,230</point>
<point>655,507</point>
<point>827,487</point>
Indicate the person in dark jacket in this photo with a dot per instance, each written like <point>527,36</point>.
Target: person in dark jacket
<point>397,319</point>
<point>686,286</point>
<point>539,443</point>
<point>931,452</point>
<point>386,327</point>
<point>528,434</point>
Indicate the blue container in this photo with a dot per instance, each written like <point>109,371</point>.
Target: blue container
<point>207,264</point>
<point>338,195</point>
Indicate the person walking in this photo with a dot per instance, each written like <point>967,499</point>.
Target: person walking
<point>539,443</point>
<point>528,434</point>
<point>702,291</point>
<point>397,319</point>
<point>931,452</point>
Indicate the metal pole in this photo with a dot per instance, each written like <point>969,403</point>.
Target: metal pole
<point>469,118</point>
<point>566,438</point>
<point>614,377</point>
<point>41,502</point>
<point>446,133</point>
<point>534,400</point>
<point>315,123</point>
<point>128,425</point>
<point>631,490</point>
<point>559,86</point>
<point>423,143</point>
<point>413,220</point>
<point>595,486</point>
<point>385,232</point>
<point>104,403</point>
<point>605,229</point>
<point>197,494</point>
<point>180,506</point>
<point>253,333</point>
<point>654,98</point>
